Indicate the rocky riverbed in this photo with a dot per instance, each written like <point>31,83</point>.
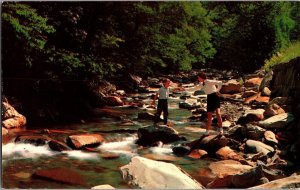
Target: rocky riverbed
<point>259,146</point>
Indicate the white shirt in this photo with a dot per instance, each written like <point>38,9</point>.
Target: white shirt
<point>163,93</point>
<point>211,86</point>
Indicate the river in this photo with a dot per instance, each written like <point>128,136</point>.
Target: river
<point>20,161</point>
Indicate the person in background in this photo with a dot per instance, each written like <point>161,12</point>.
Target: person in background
<point>162,94</point>
<point>211,88</point>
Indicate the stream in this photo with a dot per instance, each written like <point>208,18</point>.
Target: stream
<point>20,161</point>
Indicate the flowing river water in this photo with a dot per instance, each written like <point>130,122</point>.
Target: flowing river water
<point>20,161</point>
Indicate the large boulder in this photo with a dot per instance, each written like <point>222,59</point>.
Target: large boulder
<point>152,134</point>
<point>84,140</point>
<point>231,87</point>
<point>284,183</point>
<point>37,140</point>
<point>210,143</point>
<point>11,118</point>
<point>256,146</point>
<point>277,121</point>
<point>149,174</point>
<point>58,146</point>
<point>219,174</point>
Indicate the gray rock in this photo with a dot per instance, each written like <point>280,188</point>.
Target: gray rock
<point>277,121</point>
<point>256,146</point>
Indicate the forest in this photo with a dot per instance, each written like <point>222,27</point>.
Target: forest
<point>54,53</point>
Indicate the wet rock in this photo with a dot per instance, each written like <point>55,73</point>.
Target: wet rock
<point>270,138</point>
<point>197,154</point>
<point>284,183</point>
<point>181,150</point>
<point>84,140</point>
<point>161,157</point>
<point>64,175</point>
<point>58,146</point>
<point>109,156</point>
<point>146,115</point>
<point>210,143</point>
<point>277,121</point>
<point>256,146</point>
<point>149,174</point>
<point>37,140</point>
<point>149,135</point>
<point>189,104</point>
<point>199,92</point>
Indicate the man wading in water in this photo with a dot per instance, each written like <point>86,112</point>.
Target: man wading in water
<point>211,88</point>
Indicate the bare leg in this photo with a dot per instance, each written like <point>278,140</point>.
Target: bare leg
<point>218,113</point>
<point>209,117</point>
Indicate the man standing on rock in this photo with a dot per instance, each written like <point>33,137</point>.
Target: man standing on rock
<point>211,88</point>
<point>163,95</point>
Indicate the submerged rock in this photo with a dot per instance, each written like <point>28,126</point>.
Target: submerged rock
<point>64,175</point>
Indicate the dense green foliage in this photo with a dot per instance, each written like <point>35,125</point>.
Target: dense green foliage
<point>56,46</point>
<point>91,39</point>
<point>284,56</point>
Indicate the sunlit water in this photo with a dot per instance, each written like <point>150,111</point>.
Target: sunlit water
<point>20,161</point>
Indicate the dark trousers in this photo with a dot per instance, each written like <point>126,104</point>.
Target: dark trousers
<point>162,107</point>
